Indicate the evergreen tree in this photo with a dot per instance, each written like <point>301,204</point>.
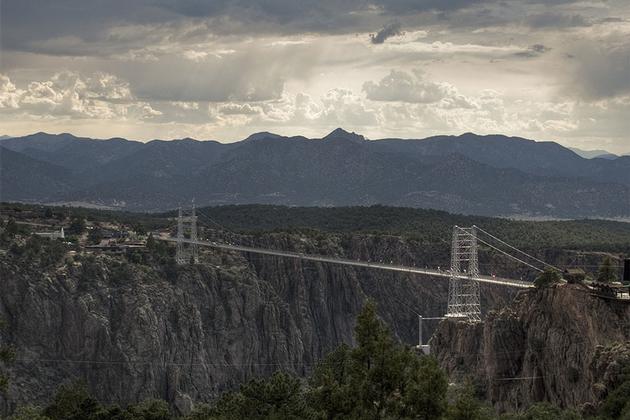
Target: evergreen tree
<point>77,226</point>
<point>95,236</point>
<point>425,396</point>
<point>331,390</point>
<point>11,228</point>
<point>279,397</point>
<point>606,273</point>
<point>73,402</point>
<point>378,379</point>
<point>150,242</point>
<point>28,412</point>
<point>140,229</point>
<point>465,405</point>
<point>150,409</point>
<point>7,354</point>
<point>547,411</point>
<point>547,278</point>
<point>617,403</point>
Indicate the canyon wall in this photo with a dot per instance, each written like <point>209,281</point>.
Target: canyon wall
<point>185,334</point>
<point>560,344</point>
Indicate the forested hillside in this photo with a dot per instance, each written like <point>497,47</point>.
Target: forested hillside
<point>469,174</point>
<point>424,225</point>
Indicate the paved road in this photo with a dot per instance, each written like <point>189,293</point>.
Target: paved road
<point>356,263</point>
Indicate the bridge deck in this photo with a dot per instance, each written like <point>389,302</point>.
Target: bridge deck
<point>356,263</point>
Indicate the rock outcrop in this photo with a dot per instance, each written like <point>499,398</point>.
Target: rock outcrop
<point>133,331</point>
<point>560,344</point>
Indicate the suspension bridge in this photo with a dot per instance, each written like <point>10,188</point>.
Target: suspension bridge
<point>463,275</point>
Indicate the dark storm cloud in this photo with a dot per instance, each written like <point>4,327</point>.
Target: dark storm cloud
<point>28,23</point>
<point>613,20</point>
<point>600,70</point>
<point>289,10</point>
<point>402,7</point>
<point>388,31</point>
<point>556,20</point>
<point>33,25</point>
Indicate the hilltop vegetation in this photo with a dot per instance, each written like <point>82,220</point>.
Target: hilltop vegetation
<point>427,226</point>
<point>59,215</point>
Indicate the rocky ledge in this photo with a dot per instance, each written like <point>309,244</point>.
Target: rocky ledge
<point>559,344</point>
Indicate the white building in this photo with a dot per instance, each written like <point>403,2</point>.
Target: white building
<point>52,235</point>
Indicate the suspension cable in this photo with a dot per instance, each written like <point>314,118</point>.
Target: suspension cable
<point>234,235</point>
<point>509,255</point>
<point>516,249</point>
<point>211,220</point>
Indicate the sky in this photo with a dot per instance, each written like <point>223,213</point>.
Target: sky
<point>223,69</point>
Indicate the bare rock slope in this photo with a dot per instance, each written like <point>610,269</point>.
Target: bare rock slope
<point>133,331</point>
<point>561,344</point>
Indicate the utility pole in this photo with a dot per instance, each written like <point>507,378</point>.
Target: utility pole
<point>425,348</point>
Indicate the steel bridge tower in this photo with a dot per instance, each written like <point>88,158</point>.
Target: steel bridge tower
<point>187,252</point>
<point>463,294</point>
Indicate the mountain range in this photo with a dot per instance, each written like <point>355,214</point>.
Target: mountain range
<point>590,154</point>
<point>490,175</point>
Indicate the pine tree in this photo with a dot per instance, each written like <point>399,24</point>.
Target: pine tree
<point>607,273</point>
<point>466,406</point>
<point>7,354</point>
<point>279,397</point>
<point>547,278</point>
<point>150,242</point>
<point>77,226</point>
<point>379,378</point>
<point>11,228</point>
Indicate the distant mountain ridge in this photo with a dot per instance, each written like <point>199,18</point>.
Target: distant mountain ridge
<point>491,175</point>
<point>594,154</point>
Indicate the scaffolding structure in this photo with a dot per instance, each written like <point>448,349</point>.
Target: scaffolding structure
<point>187,250</point>
<point>463,293</point>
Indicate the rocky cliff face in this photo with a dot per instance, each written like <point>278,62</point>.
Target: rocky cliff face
<point>132,331</point>
<point>560,344</point>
